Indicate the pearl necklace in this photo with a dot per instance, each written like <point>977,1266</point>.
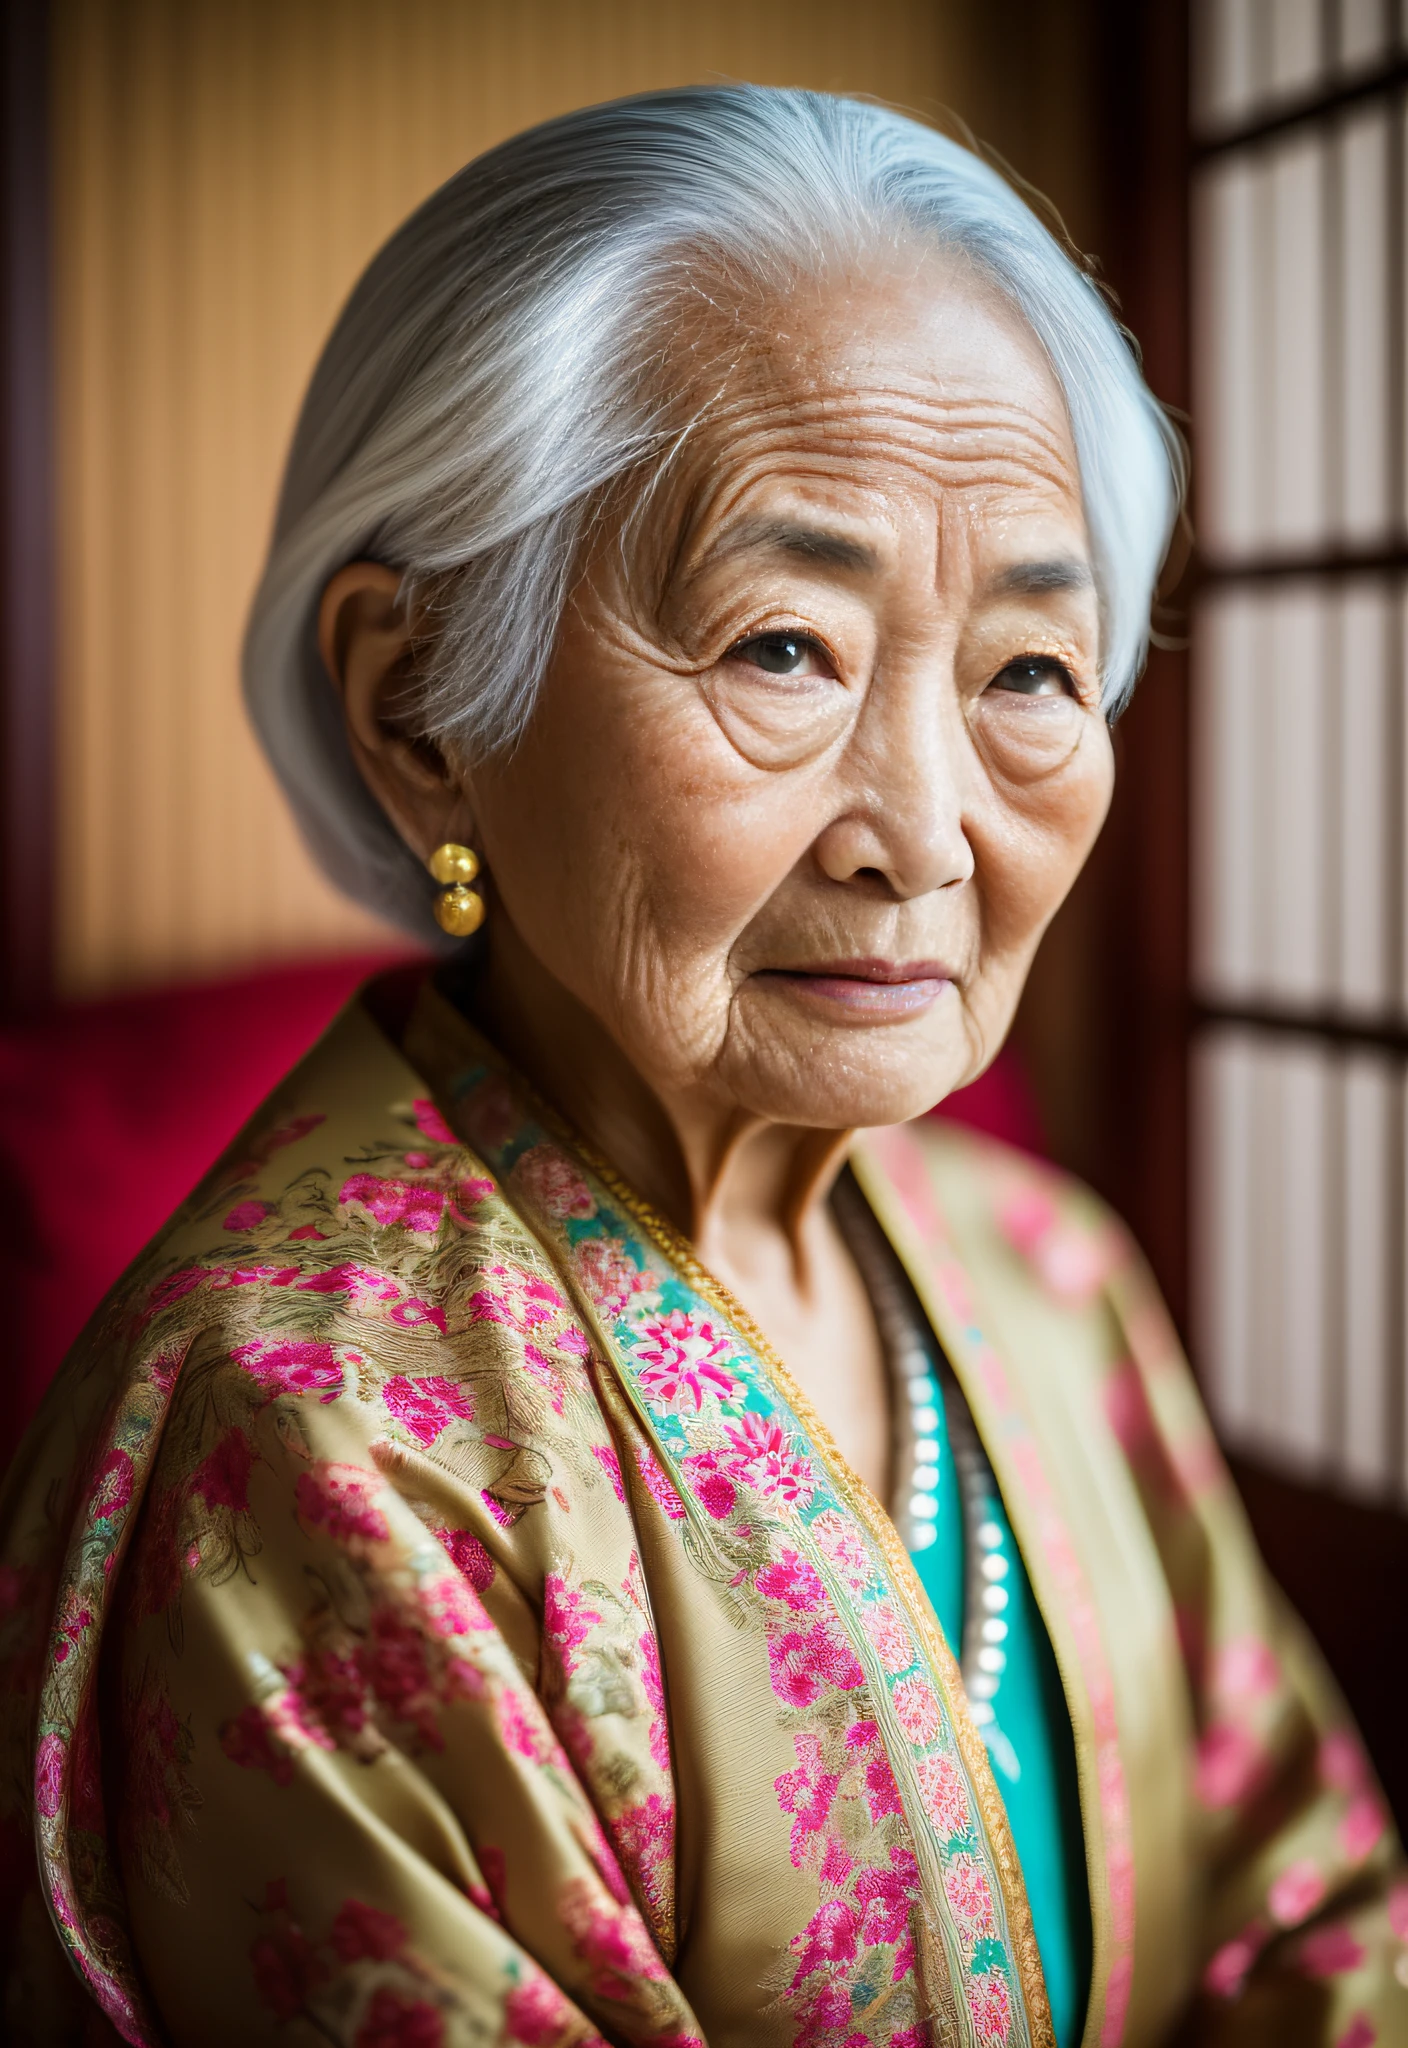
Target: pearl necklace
<point>920,1378</point>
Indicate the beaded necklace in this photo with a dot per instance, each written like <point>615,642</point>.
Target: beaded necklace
<point>923,1432</point>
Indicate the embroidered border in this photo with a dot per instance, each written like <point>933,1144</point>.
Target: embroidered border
<point>74,1859</point>
<point>940,1273</point>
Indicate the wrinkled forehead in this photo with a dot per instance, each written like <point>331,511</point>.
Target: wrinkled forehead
<point>902,377</point>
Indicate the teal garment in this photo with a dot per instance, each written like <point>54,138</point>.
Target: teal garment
<point>1028,1730</point>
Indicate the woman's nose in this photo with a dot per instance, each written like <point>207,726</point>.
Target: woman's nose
<point>904,781</point>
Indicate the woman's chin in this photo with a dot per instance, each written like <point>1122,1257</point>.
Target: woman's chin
<point>851,1080</point>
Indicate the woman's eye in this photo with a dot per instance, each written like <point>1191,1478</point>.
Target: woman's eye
<point>1035,675</point>
<point>783,654</point>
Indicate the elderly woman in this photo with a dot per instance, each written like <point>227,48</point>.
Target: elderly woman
<point>559,1541</point>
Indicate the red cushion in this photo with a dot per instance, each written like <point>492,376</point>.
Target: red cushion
<point>110,1113</point>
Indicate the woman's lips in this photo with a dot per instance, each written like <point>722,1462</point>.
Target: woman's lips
<point>866,988</point>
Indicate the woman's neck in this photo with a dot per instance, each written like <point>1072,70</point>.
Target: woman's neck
<point>750,1195</point>
<point>746,1192</point>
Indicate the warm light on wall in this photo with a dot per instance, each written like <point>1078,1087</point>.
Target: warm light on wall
<point>223,170</point>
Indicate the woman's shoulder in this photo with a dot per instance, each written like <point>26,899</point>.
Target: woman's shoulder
<point>1004,1211</point>
<point>348,1204</point>
<point>349,1264</point>
<point>346,1310</point>
<point>352,1102</point>
<point>269,1205</point>
<point>1023,1257</point>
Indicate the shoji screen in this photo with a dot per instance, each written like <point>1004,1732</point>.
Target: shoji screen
<point>1300,949</point>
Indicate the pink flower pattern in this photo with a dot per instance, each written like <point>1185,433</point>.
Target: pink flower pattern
<point>610,1464</point>
<point>403,1204</point>
<point>611,1938</point>
<point>882,1793</point>
<point>260,1738</point>
<point>657,1485</point>
<point>644,1839</point>
<point>808,1794</point>
<point>917,1710</point>
<point>945,1795</point>
<point>567,1620</point>
<point>652,1681</point>
<point>536,2013</point>
<point>713,1489</point>
<point>393,2021</point>
<point>888,1895</point>
<point>793,1581</point>
<point>1229,1762</point>
<point>831,1936</point>
<point>431,1124</point>
<point>1363,1827</point>
<point>292,1970</point>
<point>529,1305</point>
<point>841,1545</point>
<point>680,1359</point>
<point>248,1215</point>
<point>990,2002</point>
<point>970,1899</point>
<point>1072,1262</point>
<point>470,1557</point>
<point>807,1662</point>
<point>112,1486</point>
<point>1360,2033</point>
<point>551,1180</point>
<point>1329,1951</point>
<point>1230,1966</point>
<point>49,1775</point>
<point>338,1498</point>
<point>222,1478</point>
<point>1342,1762</point>
<point>1245,1669</point>
<point>888,1635</point>
<point>765,1457</point>
<point>426,1407</point>
<point>1296,1893</point>
<point>608,1273</point>
<point>297,1366</point>
<point>525,1732</point>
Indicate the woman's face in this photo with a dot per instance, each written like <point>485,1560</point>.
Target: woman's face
<point>817,757</point>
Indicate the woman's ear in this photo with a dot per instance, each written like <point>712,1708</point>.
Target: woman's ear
<point>367,646</point>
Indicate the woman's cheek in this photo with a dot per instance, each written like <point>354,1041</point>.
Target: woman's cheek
<point>1034,837</point>
<point>715,864</point>
<point>1063,790</point>
<point>714,834</point>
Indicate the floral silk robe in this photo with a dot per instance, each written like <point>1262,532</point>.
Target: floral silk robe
<point>432,1616</point>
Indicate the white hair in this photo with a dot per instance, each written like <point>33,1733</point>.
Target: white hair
<point>490,377</point>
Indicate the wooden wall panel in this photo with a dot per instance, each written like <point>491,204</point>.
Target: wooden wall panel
<point>223,169</point>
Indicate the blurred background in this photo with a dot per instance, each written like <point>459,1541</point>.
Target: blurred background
<point>1217,1029</point>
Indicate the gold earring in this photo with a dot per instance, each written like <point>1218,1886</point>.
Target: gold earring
<point>459,910</point>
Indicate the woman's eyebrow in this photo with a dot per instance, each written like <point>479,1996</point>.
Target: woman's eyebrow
<point>1035,579</point>
<point>799,537</point>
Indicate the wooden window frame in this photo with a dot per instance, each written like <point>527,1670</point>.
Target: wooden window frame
<point>1343,1564</point>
